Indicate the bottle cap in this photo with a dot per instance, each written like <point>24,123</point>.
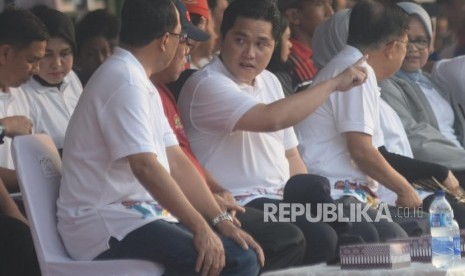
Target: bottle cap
<point>440,193</point>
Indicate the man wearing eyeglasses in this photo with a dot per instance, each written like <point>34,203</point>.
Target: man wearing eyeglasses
<point>127,189</point>
<point>433,120</point>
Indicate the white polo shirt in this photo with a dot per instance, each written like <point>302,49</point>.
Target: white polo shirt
<point>322,141</point>
<point>119,114</point>
<point>249,164</point>
<point>12,103</point>
<point>51,108</point>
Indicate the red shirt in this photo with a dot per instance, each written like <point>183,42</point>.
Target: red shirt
<point>301,63</point>
<point>172,114</point>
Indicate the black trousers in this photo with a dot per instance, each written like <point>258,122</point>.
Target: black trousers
<point>17,255</point>
<point>321,238</point>
<point>282,243</point>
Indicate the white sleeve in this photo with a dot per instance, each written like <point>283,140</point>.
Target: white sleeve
<point>218,104</point>
<point>123,121</point>
<point>290,139</point>
<point>355,110</point>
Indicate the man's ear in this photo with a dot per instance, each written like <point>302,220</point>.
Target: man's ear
<point>164,42</point>
<point>292,16</point>
<point>389,49</point>
<point>5,51</point>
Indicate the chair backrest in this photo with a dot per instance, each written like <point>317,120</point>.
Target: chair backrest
<point>38,166</point>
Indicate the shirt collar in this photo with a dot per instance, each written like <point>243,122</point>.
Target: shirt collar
<point>300,49</point>
<point>217,65</point>
<point>128,57</point>
<point>39,88</point>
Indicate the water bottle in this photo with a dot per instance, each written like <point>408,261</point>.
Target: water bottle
<point>442,243</point>
<point>456,237</point>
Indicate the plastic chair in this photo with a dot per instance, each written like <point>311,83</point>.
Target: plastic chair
<point>38,167</point>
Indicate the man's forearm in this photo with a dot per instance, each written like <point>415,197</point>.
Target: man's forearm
<point>192,184</point>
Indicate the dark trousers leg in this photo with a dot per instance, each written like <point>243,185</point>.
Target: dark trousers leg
<point>414,221</point>
<point>321,239</point>
<point>283,243</point>
<point>313,189</point>
<point>386,229</point>
<point>172,245</point>
<point>17,255</point>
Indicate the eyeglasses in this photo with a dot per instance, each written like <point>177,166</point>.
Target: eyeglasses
<point>420,44</point>
<point>182,37</point>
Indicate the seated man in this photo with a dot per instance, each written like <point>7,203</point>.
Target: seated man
<point>126,183</point>
<point>21,49</point>
<point>431,114</point>
<point>340,139</point>
<point>240,125</point>
<point>22,44</point>
<point>282,243</point>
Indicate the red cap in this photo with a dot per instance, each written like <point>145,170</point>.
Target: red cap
<point>197,6</point>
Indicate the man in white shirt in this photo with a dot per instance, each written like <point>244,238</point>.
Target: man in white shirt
<point>340,139</point>
<point>124,173</point>
<point>22,44</point>
<point>240,125</point>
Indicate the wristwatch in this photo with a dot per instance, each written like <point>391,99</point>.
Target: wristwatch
<point>2,134</point>
<point>221,217</point>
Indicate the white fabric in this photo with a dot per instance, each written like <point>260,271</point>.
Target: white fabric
<point>249,164</point>
<point>39,171</point>
<point>449,73</point>
<point>322,141</point>
<point>119,114</point>
<point>12,103</point>
<point>395,138</point>
<point>51,108</point>
<point>443,112</point>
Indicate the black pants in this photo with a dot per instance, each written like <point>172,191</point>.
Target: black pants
<point>321,239</point>
<point>17,255</point>
<point>282,243</point>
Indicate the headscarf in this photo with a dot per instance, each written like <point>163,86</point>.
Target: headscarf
<point>330,37</point>
<point>412,8</point>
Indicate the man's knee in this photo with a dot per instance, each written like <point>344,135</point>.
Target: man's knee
<point>244,262</point>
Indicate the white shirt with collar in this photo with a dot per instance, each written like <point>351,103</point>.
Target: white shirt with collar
<point>12,103</point>
<point>249,164</point>
<point>51,108</point>
<point>119,114</point>
<point>322,141</point>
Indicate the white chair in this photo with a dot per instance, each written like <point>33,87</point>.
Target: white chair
<point>38,167</point>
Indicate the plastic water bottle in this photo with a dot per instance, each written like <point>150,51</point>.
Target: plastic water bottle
<point>442,244</point>
<point>456,237</point>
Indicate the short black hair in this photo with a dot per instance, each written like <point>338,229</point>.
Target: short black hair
<point>375,22</point>
<point>97,23</point>
<point>142,21</point>
<point>265,10</point>
<point>20,28</point>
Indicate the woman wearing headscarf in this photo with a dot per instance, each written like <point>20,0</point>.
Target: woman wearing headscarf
<point>54,92</point>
